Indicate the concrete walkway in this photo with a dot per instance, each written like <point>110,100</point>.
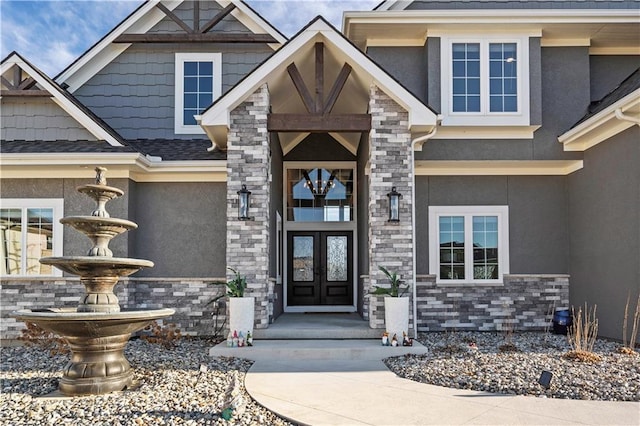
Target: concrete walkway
<point>327,383</point>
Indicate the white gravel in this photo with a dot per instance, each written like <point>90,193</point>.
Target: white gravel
<point>178,386</point>
<point>453,362</point>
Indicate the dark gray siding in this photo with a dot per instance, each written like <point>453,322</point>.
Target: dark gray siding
<point>519,4</point>
<point>604,224</point>
<point>607,72</point>
<point>406,64</point>
<point>38,120</point>
<point>182,229</point>
<point>538,240</point>
<point>75,204</point>
<point>135,93</point>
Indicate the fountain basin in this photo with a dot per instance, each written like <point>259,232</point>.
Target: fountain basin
<point>100,230</point>
<point>97,341</point>
<point>97,266</point>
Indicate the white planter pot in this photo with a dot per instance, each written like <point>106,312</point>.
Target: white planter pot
<point>396,316</point>
<point>241,314</point>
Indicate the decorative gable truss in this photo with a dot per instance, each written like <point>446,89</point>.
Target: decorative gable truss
<point>139,27</point>
<point>20,79</point>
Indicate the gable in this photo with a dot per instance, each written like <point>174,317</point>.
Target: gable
<point>34,107</point>
<point>156,22</point>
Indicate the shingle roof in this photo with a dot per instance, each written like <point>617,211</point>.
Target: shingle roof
<point>168,150</point>
<point>177,150</point>
<point>63,146</point>
<point>629,85</point>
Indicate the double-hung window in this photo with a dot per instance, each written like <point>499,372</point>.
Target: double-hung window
<point>468,244</point>
<point>485,81</point>
<point>198,82</point>
<point>30,229</point>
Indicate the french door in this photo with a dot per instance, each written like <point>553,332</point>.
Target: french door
<point>320,268</point>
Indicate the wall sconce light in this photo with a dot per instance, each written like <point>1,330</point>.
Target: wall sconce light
<point>394,205</point>
<point>243,203</point>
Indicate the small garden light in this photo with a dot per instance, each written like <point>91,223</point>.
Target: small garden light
<point>394,205</point>
<point>243,203</point>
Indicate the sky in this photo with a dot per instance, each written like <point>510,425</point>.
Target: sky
<point>53,33</point>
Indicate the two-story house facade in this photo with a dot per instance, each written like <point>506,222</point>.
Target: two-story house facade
<point>508,129</point>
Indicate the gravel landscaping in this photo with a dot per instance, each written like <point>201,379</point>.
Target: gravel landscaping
<point>184,386</point>
<point>468,360</point>
<point>178,386</point>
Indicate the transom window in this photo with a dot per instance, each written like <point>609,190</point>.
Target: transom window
<point>320,195</point>
<point>468,244</point>
<point>30,230</point>
<point>485,82</point>
<point>198,83</point>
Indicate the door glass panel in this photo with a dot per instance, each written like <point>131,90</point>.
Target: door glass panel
<point>303,258</point>
<point>337,258</point>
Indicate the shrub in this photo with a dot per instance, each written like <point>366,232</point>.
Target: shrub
<point>582,335</point>
<point>629,347</point>
<point>165,335</point>
<point>34,335</point>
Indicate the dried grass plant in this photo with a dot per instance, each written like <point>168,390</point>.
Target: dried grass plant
<point>34,335</point>
<point>628,347</point>
<point>165,335</point>
<point>582,335</point>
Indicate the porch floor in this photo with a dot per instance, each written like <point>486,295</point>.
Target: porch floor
<point>318,326</point>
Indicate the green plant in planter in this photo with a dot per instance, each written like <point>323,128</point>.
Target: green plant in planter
<point>395,290</point>
<point>235,287</point>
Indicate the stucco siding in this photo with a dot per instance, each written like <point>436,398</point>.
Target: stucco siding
<point>135,93</point>
<point>39,120</point>
<point>608,71</point>
<point>406,64</point>
<point>538,238</point>
<point>604,221</point>
<point>181,228</point>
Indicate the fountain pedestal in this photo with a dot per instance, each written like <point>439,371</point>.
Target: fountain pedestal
<point>97,330</point>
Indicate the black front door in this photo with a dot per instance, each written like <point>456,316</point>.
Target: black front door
<point>320,268</point>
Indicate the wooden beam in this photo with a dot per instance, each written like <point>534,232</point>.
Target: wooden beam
<point>219,17</point>
<point>196,16</point>
<point>7,83</point>
<point>29,93</point>
<point>318,123</point>
<point>195,38</point>
<point>319,47</point>
<point>27,83</point>
<point>338,85</point>
<point>17,76</point>
<point>301,87</point>
<point>174,18</point>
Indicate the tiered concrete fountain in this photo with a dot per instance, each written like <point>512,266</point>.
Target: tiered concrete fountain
<point>97,330</point>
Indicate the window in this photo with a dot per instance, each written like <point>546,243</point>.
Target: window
<point>320,194</point>
<point>469,244</point>
<point>198,83</point>
<point>31,230</point>
<point>485,82</point>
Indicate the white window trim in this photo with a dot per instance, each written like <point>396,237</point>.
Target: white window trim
<point>484,117</point>
<point>180,58</point>
<point>57,204</point>
<point>502,212</point>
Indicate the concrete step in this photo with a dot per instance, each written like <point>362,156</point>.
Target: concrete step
<point>327,333</point>
<point>335,349</point>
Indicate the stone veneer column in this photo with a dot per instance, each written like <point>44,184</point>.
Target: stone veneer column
<point>390,243</point>
<point>248,162</point>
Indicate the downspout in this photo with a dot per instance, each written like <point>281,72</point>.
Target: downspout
<point>623,117</point>
<point>419,140</point>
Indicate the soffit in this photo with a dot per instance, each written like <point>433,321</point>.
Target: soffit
<point>605,29</point>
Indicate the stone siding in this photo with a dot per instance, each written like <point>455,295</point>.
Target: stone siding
<point>248,162</point>
<point>390,243</point>
<point>523,302</point>
<point>188,296</point>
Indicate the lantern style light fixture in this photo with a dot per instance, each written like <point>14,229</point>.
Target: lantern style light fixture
<point>394,205</point>
<point>243,203</point>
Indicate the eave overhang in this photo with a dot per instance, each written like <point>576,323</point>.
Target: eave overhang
<point>601,29</point>
<point>605,124</point>
<point>284,98</point>
<point>134,166</point>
